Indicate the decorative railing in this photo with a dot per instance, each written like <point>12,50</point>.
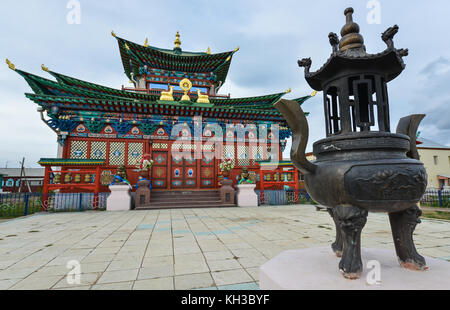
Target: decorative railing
<point>283,197</point>
<point>23,204</point>
<point>431,198</point>
<point>436,198</point>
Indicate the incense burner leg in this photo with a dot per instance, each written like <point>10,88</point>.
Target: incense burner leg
<point>339,243</point>
<point>351,221</point>
<point>403,225</point>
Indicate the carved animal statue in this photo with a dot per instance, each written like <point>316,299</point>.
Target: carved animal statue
<point>244,176</point>
<point>334,41</point>
<point>202,98</point>
<point>389,34</point>
<point>167,95</point>
<point>122,172</point>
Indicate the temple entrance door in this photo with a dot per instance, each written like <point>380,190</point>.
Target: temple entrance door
<point>184,172</point>
<point>207,170</point>
<point>159,170</point>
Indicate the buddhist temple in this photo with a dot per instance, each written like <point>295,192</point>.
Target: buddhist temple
<point>99,128</point>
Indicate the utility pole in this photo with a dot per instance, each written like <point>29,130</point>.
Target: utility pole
<point>22,172</point>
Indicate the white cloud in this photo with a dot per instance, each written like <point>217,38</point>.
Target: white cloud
<point>272,36</point>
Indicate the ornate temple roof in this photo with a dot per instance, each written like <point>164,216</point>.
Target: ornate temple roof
<point>71,102</point>
<point>135,56</point>
<point>68,93</point>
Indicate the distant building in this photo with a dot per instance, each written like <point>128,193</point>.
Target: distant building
<point>10,180</point>
<point>436,158</point>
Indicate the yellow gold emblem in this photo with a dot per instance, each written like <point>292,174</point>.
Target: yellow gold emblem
<point>185,85</point>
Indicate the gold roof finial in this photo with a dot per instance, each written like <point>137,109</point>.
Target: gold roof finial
<point>236,49</point>
<point>228,59</point>
<point>127,47</point>
<point>208,51</point>
<point>113,34</point>
<point>351,38</point>
<point>289,90</point>
<point>146,42</point>
<point>314,93</point>
<point>10,64</point>
<point>44,68</point>
<point>177,40</point>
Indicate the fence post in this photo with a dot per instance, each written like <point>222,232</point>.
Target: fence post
<point>26,205</point>
<point>80,204</point>
<point>440,198</point>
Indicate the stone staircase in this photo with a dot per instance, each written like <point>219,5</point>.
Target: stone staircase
<point>185,199</point>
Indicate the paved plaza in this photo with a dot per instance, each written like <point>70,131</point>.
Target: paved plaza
<point>176,249</point>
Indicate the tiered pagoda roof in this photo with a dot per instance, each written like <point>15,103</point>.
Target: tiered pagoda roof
<point>68,93</point>
<point>70,101</point>
<point>135,56</point>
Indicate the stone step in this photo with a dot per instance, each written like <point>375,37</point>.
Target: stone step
<point>185,199</point>
<point>185,193</point>
<point>190,201</point>
<point>185,206</point>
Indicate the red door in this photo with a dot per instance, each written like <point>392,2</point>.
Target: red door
<point>159,170</point>
<point>183,172</point>
<point>207,170</point>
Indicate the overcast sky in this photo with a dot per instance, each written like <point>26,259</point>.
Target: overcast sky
<point>272,36</point>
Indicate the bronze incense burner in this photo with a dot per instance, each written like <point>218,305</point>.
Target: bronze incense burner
<point>361,166</point>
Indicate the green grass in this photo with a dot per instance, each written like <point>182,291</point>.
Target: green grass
<point>17,209</point>
<point>436,215</point>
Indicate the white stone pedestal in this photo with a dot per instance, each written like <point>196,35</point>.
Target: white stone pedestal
<point>246,196</point>
<point>120,199</point>
<point>318,269</point>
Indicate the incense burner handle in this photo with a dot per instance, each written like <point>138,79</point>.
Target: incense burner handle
<point>408,126</point>
<point>296,120</point>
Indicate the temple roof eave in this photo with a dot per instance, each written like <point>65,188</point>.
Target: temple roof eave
<point>172,108</point>
<point>389,61</point>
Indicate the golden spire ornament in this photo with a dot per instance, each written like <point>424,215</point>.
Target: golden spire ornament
<point>177,41</point>
<point>146,42</point>
<point>208,51</point>
<point>351,38</point>
<point>44,68</point>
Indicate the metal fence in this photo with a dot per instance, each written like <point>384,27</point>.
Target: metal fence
<point>431,198</point>
<point>436,198</point>
<point>22,204</point>
<point>283,197</point>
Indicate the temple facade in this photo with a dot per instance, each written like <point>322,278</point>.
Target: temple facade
<point>173,114</point>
